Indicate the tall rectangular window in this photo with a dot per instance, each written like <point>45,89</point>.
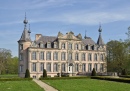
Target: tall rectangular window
<point>41,66</point>
<point>55,67</point>
<point>70,46</point>
<point>55,55</point>
<point>84,67</point>
<point>89,67</point>
<point>33,66</point>
<point>34,56</point>
<point>49,67</point>
<point>76,56</point>
<point>63,56</point>
<point>101,67</point>
<point>96,66</point>
<point>70,56</point>
<point>89,57</point>
<point>83,57</point>
<point>41,56</point>
<point>76,67</point>
<point>48,56</point>
<point>21,68</point>
<point>21,46</point>
<point>21,57</point>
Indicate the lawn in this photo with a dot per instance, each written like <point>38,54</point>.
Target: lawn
<point>19,86</point>
<point>88,85</point>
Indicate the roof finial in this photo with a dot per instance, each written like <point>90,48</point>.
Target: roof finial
<point>25,21</point>
<point>100,29</point>
<point>85,37</point>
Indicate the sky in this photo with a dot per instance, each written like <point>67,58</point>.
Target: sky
<point>48,17</point>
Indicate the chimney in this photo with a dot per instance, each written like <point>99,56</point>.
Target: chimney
<point>38,36</point>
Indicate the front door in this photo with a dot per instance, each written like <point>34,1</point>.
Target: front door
<point>70,68</point>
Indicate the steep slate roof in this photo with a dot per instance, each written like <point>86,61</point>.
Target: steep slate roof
<point>46,39</point>
<point>87,41</point>
<point>100,40</point>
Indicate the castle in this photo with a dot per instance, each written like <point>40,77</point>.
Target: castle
<point>66,53</point>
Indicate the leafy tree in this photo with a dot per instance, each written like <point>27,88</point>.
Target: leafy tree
<point>27,74</point>
<point>5,56</point>
<point>93,72</point>
<point>44,73</point>
<point>117,56</point>
<point>124,72</point>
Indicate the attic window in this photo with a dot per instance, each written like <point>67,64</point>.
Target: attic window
<point>49,45</point>
<point>83,47</point>
<point>55,45</point>
<point>41,45</point>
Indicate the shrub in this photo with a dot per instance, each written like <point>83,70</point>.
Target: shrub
<point>15,79</point>
<point>124,72</point>
<point>27,74</point>
<point>93,72</point>
<point>44,73</point>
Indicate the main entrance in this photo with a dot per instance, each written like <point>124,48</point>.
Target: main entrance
<point>70,68</point>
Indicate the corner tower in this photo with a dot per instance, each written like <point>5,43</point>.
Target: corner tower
<point>100,40</point>
<point>23,44</point>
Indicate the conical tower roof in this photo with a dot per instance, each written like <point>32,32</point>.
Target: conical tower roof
<point>100,40</point>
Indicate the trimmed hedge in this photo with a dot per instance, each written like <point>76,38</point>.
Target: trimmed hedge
<point>125,76</point>
<point>125,80</point>
<point>59,78</point>
<point>15,79</point>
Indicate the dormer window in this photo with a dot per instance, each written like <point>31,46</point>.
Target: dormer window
<point>55,45</point>
<point>41,45</point>
<point>83,47</point>
<point>63,46</point>
<point>89,47</point>
<point>48,45</point>
<point>76,46</point>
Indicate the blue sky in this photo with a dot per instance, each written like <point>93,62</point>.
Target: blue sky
<point>48,17</point>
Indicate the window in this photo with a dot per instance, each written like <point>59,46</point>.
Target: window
<point>49,67</point>
<point>55,55</point>
<point>76,46</point>
<point>55,67</point>
<point>48,45</point>
<point>63,45</point>
<point>70,46</point>
<point>55,45</point>
<point>34,55</point>
<point>89,67</point>
<point>21,68</point>
<point>63,56</point>
<point>83,67</point>
<point>21,46</point>
<point>41,45</point>
<point>83,57</point>
<point>101,57</point>
<point>95,57</point>
<point>33,66</point>
<point>21,57</point>
<point>89,57</point>
<point>48,56</point>
<point>41,56</point>
<point>76,67</point>
<point>41,66</point>
<point>83,47</point>
<point>76,56</point>
<point>70,56</point>
<point>63,67</point>
<point>96,66</point>
<point>101,67</point>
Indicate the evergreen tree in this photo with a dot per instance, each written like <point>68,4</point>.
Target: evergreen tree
<point>44,73</point>
<point>93,72</point>
<point>27,74</point>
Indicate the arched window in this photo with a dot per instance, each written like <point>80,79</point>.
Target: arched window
<point>48,56</point>
<point>95,57</point>
<point>63,46</point>
<point>55,55</point>
<point>83,57</point>
<point>55,67</point>
<point>76,56</point>
<point>101,68</point>
<point>63,67</point>
<point>76,67</point>
<point>84,67</point>
<point>89,57</point>
<point>48,67</point>
<point>63,56</point>
<point>96,66</point>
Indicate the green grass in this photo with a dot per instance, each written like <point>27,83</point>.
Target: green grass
<point>9,76</point>
<point>19,86</point>
<point>88,85</point>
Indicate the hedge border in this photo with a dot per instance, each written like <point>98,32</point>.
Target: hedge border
<point>16,79</point>
<point>60,78</point>
<point>124,80</point>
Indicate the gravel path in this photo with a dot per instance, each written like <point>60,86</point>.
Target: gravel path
<point>44,85</point>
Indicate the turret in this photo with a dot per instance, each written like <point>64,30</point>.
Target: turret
<point>100,40</point>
